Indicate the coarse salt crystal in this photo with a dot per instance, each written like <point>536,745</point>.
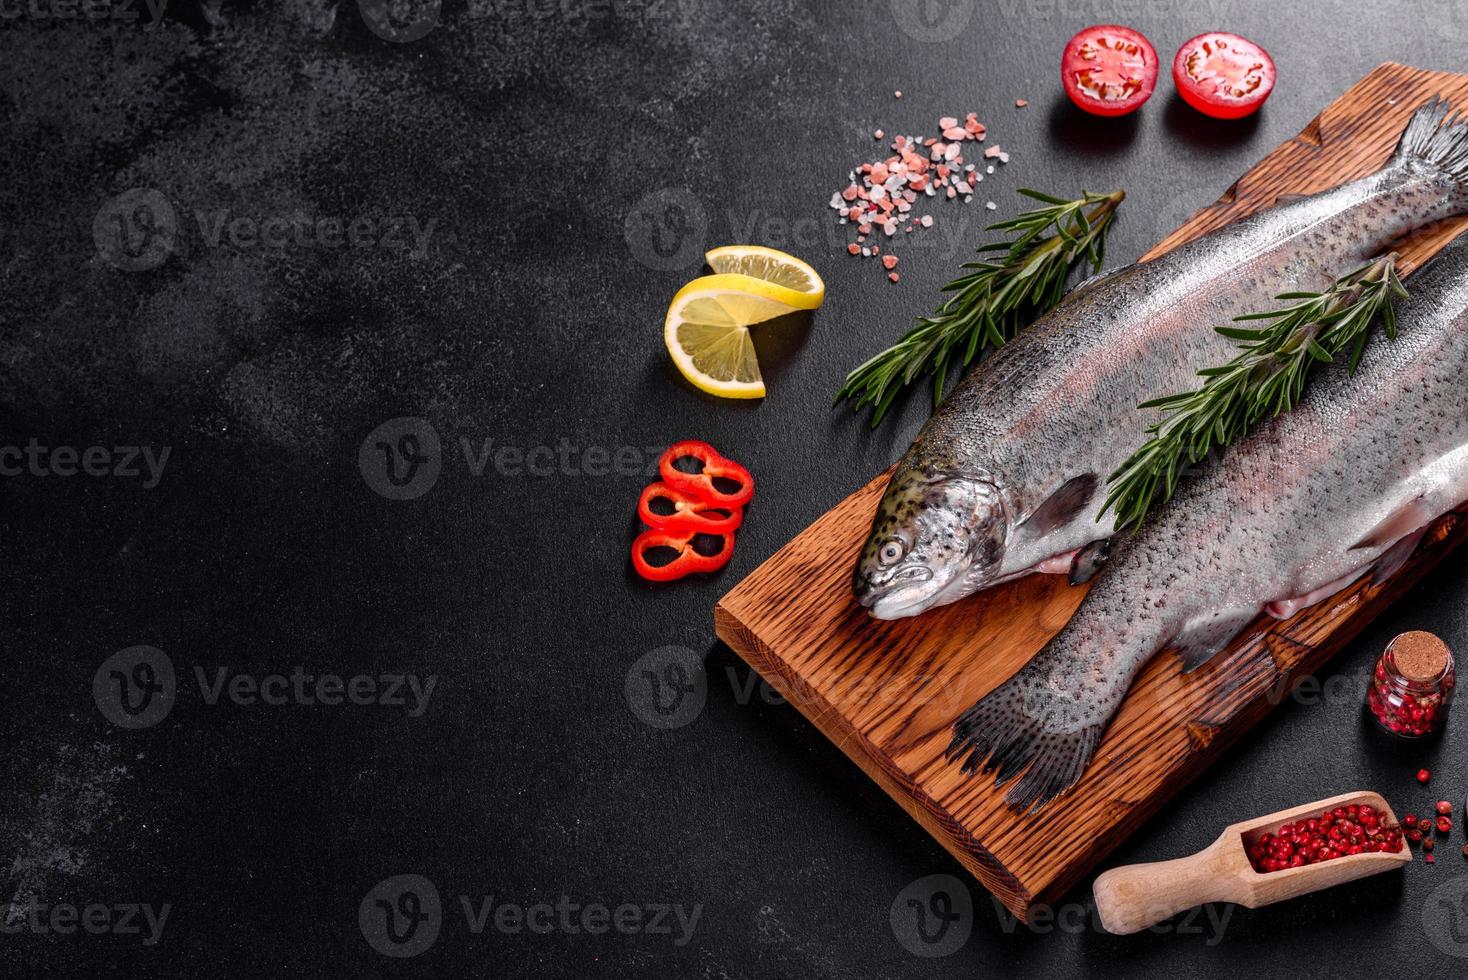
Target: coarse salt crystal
<point>893,276</point>
<point>877,135</point>
<point>1004,158</point>
<point>854,248</point>
<point>889,262</point>
<point>927,221</point>
<point>991,205</point>
<point>947,122</point>
<point>1020,103</point>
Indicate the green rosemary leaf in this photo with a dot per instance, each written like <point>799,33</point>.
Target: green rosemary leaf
<point>995,297</point>
<point>1266,378</point>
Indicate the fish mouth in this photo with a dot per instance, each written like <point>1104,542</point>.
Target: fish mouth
<point>909,596</point>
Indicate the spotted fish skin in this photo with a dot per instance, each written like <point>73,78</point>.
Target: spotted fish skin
<point>1305,505</point>
<point>1055,412</point>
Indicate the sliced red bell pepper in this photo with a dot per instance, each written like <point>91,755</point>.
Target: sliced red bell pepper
<point>690,512</point>
<point>702,484</point>
<point>688,560</point>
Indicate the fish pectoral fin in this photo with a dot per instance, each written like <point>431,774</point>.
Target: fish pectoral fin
<point>1391,562</point>
<point>1062,506</point>
<point>1088,561</point>
<point>1203,638</point>
<point>1411,516</point>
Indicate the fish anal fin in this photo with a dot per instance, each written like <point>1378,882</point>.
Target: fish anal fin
<point>1088,561</point>
<point>1202,639</point>
<point>1062,506</point>
<point>1411,516</point>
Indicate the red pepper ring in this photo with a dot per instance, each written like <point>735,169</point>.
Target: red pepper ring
<point>690,512</point>
<point>688,560</point>
<point>714,466</point>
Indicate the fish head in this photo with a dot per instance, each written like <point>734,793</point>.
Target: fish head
<point>937,537</point>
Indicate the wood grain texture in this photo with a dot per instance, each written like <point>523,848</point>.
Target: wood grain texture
<point>886,692</point>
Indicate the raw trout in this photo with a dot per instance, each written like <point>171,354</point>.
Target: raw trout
<point>1341,487</point>
<point>1009,475</point>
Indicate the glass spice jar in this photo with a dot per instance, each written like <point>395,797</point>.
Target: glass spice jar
<point>1412,685</point>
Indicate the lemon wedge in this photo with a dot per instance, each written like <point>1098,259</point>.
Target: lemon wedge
<point>786,278</point>
<point>707,332</point>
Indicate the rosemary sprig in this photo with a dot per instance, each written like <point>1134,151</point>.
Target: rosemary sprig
<point>1267,378</point>
<point>993,302</point>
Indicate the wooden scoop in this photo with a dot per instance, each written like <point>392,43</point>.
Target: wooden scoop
<point>1131,898</point>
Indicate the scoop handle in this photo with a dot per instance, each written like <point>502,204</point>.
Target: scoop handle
<point>1136,896</point>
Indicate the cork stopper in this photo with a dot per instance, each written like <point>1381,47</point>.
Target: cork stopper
<point>1420,656</point>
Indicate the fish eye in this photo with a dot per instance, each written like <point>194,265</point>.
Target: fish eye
<point>891,552</point>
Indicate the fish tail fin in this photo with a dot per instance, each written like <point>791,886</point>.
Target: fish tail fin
<point>1001,734</point>
<point>1439,139</point>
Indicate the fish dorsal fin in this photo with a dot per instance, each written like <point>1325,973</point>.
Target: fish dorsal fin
<point>1203,638</point>
<point>1062,506</point>
<point>1401,522</point>
<point>1092,280</point>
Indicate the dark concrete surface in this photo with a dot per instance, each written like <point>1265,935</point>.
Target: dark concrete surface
<point>533,180</point>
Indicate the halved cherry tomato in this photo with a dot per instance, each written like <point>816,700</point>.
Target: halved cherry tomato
<point>701,484</point>
<point>1223,75</point>
<point>690,512</point>
<point>687,560</point>
<point>1109,70</point>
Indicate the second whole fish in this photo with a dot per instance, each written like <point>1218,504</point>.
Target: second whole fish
<point>1341,487</point>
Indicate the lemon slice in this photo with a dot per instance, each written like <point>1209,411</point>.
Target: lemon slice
<point>788,279</point>
<point>707,333</point>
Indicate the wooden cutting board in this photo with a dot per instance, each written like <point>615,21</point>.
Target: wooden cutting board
<point>886,692</point>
